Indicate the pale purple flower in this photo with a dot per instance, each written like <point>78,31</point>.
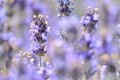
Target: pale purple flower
<point>65,7</point>
<point>96,17</point>
<point>90,20</point>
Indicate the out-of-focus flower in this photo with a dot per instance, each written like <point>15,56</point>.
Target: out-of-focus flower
<point>111,13</point>
<point>12,40</point>
<point>118,73</point>
<point>103,71</point>
<point>21,4</point>
<point>23,66</point>
<point>46,71</point>
<point>1,4</point>
<point>65,7</point>
<point>90,20</point>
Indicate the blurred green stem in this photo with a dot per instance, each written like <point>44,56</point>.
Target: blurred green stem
<point>40,60</point>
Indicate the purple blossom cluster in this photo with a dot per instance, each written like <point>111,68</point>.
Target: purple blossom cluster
<point>65,7</point>
<point>39,29</point>
<point>38,33</point>
<point>90,20</point>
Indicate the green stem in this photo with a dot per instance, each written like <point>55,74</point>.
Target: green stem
<point>40,60</point>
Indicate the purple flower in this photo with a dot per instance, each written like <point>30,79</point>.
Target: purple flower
<point>38,49</point>
<point>65,7</point>
<point>90,20</point>
<point>1,4</point>
<point>38,33</point>
<point>46,71</point>
<point>96,17</point>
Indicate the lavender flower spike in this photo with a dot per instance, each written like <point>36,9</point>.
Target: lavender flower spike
<point>90,20</point>
<point>38,30</point>
<point>65,7</point>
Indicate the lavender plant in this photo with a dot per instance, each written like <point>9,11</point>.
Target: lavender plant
<point>90,20</point>
<point>65,7</point>
<point>39,28</point>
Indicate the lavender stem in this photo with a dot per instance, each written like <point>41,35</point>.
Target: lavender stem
<point>40,61</point>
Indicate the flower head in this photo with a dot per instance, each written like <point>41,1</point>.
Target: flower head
<point>1,3</point>
<point>38,29</point>
<point>38,33</point>
<point>90,20</point>
<point>65,7</point>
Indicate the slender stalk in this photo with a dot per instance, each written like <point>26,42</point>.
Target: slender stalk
<point>40,60</point>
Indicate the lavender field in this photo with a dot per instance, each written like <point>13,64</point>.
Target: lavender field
<point>59,40</point>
